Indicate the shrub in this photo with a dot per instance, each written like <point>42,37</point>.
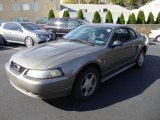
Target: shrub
<point>96,18</point>
<point>118,20</point>
<point>66,14</point>
<point>131,19</point>
<point>51,14</point>
<point>109,18</point>
<point>158,19</point>
<point>122,21</point>
<point>141,18</point>
<point>150,18</point>
<point>80,15</point>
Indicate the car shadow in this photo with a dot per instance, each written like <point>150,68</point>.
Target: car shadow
<point>11,46</point>
<point>120,88</point>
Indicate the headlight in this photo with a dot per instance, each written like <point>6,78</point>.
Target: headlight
<point>45,74</point>
<point>40,36</point>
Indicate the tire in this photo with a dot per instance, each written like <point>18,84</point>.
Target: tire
<point>158,39</point>
<point>2,41</point>
<point>86,84</point>
<point>29,42</point>
<point>140,59</point>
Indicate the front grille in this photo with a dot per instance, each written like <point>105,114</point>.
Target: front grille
<point>17,67</point>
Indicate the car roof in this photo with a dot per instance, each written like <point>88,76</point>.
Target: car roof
<point>18,22</point>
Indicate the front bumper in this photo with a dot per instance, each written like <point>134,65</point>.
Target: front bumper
<point>45,89</point>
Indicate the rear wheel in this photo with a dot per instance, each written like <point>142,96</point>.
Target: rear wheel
<point>29,42</point>
<point>158,39</point>
<point>2,41</point>
<point>86,84</point>
<point>140,59</point>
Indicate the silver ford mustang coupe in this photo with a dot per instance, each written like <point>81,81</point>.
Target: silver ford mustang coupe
<point>77,63</point>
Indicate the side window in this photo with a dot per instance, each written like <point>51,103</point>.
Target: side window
<point>121,34</point>
<point>15,27</point>
<point>132,34</point>
<point>7,26</point>
<point>72,23</point>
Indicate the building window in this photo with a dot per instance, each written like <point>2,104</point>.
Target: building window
<point>36,7</point>
<point>1,7</point>
<point>26,7</point>
<point>16,7</point>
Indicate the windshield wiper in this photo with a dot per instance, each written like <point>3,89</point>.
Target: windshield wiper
<point>82,41</point>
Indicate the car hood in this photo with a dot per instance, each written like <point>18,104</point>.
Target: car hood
<point>51,54</point>
<point>42,32</point>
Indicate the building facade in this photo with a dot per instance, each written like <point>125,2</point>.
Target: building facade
<point>27,10</point>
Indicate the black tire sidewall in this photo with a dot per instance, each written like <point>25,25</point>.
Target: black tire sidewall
<point>157,37</point>
<point>137,61</point>
<point>4,41</point>
<point>76,92</point>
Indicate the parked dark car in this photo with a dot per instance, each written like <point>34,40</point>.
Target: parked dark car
<point>78,63</point>
<point>61,26</point>
<point>24,33</point>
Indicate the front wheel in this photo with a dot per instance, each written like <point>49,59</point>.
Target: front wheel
<point>140,59</point>
<point>86,84</point>
<point>2,41</point>
<point>29,42</point>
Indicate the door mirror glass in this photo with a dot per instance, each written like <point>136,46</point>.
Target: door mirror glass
<point>117,43</point>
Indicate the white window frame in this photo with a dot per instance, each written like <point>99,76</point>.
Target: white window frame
<point>26,7</point>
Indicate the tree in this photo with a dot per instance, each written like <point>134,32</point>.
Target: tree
<point>131,19</point>
<point>109,18</point>
<point>51,14</point>
<point>96,18</point>
<point>141,18</point>
<point>158,19</point>
<point>122,21</point>
<point>150,18</point>
<point>80,15</point>
<point>118,20</point>
<point>66,14</point>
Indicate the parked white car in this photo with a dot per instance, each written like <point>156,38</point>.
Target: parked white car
<point>155,35</point>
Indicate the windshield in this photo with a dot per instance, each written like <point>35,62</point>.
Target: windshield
<point>30,26</point>
<point>91,34</point>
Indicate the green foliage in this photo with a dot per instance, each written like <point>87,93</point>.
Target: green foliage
<point>141,18</point>
<point>118,20</point>
<point>131,19</point>
<point>80,15</point>
<point>150,18</point>
<point>66,14</point>
<point>96,18</point>
<point>109,18</point>
<point>51,14</point>
<point>122,21</point>
<point>158,19</point>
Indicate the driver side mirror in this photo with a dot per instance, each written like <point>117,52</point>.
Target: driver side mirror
<point>20,30</point>
<point>117,43</point>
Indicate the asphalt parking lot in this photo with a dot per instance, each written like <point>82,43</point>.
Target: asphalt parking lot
<point>132,95</point>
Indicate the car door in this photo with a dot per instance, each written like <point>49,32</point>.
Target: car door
<point>7,28</point>
<point>120,55</point>
<point>17,33</point>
